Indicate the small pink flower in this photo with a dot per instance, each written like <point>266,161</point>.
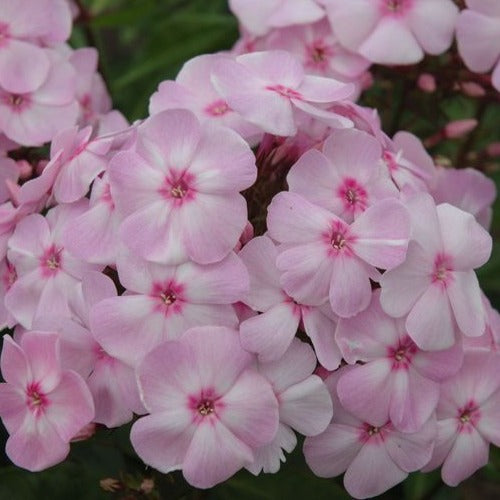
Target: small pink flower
<point>41,405</point>
<point>346,177</point>
<point>162,302</point>
<point>270,334</point>
<point>478,37</point>
<point>210,409</point>
<point>468,414</point>
<point>374,457</point>
<point>178,189</point>
<point>46,271</point>
<point>259,16</point>
<point>324,257</point>
<point>270,88</point>
<point>304,404</point>
<point>371,27</point>
<point>398,381</point>
<point>193,90</point>
<point>436,285</point>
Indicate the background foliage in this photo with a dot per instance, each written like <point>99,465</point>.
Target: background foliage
<point>142,42</point>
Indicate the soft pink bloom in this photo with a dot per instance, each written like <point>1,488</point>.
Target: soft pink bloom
<point>193,90</point>
<point>346,177</point>
<point>46,271</point>
<point>468,414</point>
<point>468,189</point>
<point>398,381</point>
<point>270,334</point>
<point>93,236</point>
<point>34,117</point>
<point>459,128</point>
<point>210,409</point>
<point>436,285</point>
<point>374,457</point>
<point>76,160</point>
<point>24,26</point>
<point>409,164</point>
<point>319,51</point>
<point>270,88</point>
<point>111,382</point>
<point>324,257</point>
<point>304,404</point>
<point>478,37</point>
<point>178,189</point>
<point>393,31</point>
<point>259,16</point>
<point>164,301</point>
<point>41,405</point>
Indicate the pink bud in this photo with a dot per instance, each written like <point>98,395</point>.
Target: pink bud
<point>25,169</point>
<point>493,149</point>
<point>41,165</point>
<point>366,80</point>
<point>473,89</point>
<point>427,83</point>
<point>322,372</point>
<point>459,128</point>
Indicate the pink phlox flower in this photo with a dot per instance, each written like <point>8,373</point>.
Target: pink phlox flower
<point>371,27</point>
<point>259,16</point>
<point>271,333</point>
<point>478,37</point>
<point>397,381</point>
<point>164,301</point>
<point>42,406</point>
<point>436,285</point>
<point>323,257</point>
<point>304,404</point>
<point>46,270</point>
<point>468,414</point>
<point>345,177</point>
<point>209,407</point>
<point>468,189</point>
<point>269,89</point>
<point>178,189</point>
<point>374,457</point>
<point>193,90</point>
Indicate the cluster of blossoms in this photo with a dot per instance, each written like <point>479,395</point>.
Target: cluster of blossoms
<point>336,297</point>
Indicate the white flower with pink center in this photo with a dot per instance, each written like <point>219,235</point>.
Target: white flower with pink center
<point>304,404</point>
<point>371,27</point>
<point>162,302</point>
<point>178,189</point>
<point>436,285</point>
<point>42,406</point>
<point>468,414</point>
<point>271,333</point>
<point>345,177</point>
<point>374,456</point>
<point>210,409</point>
<point>397,381</point>
<point>323,257</point>
<point>193,90</point>
<point>269,89</point>
<point>46,271</point>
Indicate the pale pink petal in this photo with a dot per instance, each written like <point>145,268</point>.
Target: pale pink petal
<point>445,438</point>
<point>214,455</point>
<point>250,410</point>
<point>162,440</point>
<point>13,407</point>
<point>15,368</point>
<point>269,334</point>
<point>487,425</point>
<point>327,90</point>
<point>439,365</point>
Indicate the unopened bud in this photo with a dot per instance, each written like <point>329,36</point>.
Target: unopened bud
<point>459,128</point>
<point>25,169</point>
<point>427,83</point>
<point>473,89</point>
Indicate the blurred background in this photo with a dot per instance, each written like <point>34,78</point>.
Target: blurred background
<point>141,43</point>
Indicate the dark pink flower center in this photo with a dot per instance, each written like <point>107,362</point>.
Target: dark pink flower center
<point>178,188</point>
<point>285,91</point>
<point>217,108</point>
<point>167,297</point>
<point>205,404</point>
<point>37,401</point>
<point>395,7</point>
<point>206,407</point>
<point>51,261</point>
<point>402,353</point>
<point>354,196</point>
<point>318,54</point>
<point>468,416</point>
<point>371,433</point>
<point>443,268</point>
<point>339,239</point>
<point>17,102</point>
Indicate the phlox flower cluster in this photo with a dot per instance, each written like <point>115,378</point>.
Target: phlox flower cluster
<point>256,259</point>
